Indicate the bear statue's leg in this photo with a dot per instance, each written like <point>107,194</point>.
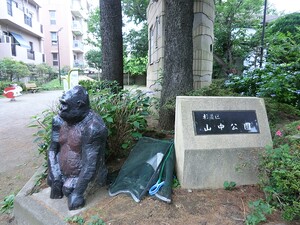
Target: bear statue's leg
<point>56,188</point>
<point>75,200</point>
<point>69,185</point>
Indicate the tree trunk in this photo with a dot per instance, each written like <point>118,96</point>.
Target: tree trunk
<point>111,40</point>
<point>178,61</point>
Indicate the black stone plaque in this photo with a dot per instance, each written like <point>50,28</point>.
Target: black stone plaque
<point>225,122</point>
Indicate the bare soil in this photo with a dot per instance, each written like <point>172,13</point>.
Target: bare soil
<point>204,207</point>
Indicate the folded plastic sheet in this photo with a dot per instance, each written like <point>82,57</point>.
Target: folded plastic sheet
<point>150,160</point>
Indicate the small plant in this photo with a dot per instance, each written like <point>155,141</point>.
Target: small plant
<point>176,183</point>
<point>43,123</point>
<point>95,220</point>
<point>229,185</point>
<point>259,209</point>
<point>7,204</point>
<point>75,219</point>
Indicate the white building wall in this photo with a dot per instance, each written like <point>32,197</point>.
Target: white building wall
<point>15,23</point>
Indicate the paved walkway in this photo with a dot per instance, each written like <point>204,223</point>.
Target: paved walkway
<point>19,157</point>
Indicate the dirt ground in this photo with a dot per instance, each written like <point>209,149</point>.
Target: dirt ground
<point>188,207</point>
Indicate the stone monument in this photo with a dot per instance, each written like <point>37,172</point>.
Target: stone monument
<point>218,139</point>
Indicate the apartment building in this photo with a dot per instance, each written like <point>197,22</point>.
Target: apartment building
<point>21,32</point>
<point>65,29</point>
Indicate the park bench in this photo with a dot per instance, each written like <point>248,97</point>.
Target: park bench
<point>31,87</point>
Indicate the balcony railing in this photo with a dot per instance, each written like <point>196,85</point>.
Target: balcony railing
<point>19,53</point>
<point>78,63</point>
<point>76,27</point>
<point>77,45</point>
<point>30,55</point>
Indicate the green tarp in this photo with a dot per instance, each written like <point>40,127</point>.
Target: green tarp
<point>150,161</point>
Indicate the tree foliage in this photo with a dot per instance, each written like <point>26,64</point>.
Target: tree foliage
<point>285,24</point>
<point>93,24</point>
<point>284,48</point>
<point>44,70</point>
<point>135,10</point>
<point>233,21</point>
<point>283,40</point>
<point>13,70</point>
<point>94,58</point>
<point>136,42</point>
<point>135,66</point>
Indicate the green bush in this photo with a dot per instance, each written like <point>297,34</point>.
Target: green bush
<point>280,113</point>
<point>280,171</point>
<point>43,123</point>
<point>95,86</point>
<point>281,82</point>
<point>124,113</point>
<point>217,88</point>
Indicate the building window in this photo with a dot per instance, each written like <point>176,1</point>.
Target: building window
<point>30,52</point>
<point>31,46</point>
<point>55,59</point>
<point>9,7</point>
<point>157,22</point>
<point>151,47</point>
<point>54,38</point>
<point>52,14</point>
<point>28,19</point>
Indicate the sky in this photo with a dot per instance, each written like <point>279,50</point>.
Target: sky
<point>288,6</point>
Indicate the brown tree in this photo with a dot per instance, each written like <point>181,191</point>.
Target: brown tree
<point>178,65</point>
<point>111,40</point>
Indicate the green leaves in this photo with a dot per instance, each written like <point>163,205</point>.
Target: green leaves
<point>43,124</point>
<point>76,219</point>
<point>233,41</point>
<point>7,204</point>
<point>280,177</point>
<point>280,82</point>
<point>258,211</point>
<point>123,111</point>
<point>229,185</point>
<point>11,69</point>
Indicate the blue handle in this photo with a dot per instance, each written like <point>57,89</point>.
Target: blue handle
<point>155,188</point>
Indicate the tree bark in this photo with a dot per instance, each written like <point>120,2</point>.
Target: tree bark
<point>178,61</point>
<point>111,40</point>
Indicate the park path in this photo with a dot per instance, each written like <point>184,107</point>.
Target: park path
<point>19,157</point>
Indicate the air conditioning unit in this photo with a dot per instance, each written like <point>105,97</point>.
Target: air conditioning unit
<point>5,39</point>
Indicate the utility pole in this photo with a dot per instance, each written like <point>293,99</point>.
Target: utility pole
<point>263,36</point>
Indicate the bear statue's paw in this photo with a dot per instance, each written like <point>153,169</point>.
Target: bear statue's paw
<point>75,201</point>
